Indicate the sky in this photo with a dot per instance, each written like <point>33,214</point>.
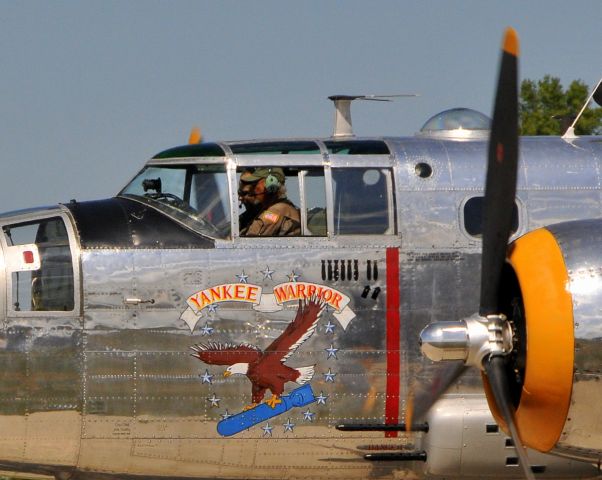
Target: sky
<point>90,90</point>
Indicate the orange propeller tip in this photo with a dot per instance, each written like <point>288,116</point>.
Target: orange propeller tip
<point>195,136</point>
<point>511,43</point>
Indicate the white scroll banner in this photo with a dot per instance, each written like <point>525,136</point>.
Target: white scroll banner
<point>295,291</point>
<point>268,302</point>
<point>227,292</point>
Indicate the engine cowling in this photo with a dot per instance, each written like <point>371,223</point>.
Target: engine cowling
<point>557,365</point>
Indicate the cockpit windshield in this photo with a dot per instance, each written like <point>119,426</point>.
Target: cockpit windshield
<point>195,195</point>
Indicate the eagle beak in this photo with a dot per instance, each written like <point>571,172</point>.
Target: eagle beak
<point>227,373</point>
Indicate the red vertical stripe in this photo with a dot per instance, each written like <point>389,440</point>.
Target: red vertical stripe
<point>393,340</point>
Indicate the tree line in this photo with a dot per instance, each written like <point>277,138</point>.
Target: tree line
<point>546,108</point>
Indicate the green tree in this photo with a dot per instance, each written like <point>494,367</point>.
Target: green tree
<point>547,109</point>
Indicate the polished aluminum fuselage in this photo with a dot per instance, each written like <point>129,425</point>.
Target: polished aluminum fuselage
<point>112,387</point>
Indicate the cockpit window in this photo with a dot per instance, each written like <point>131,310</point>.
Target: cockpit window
<point>281,202</point>
<point>195,195</point>
<point>276,148</point>
<point>357,147</point>
<point>364,203</point>
<point>41,264</point>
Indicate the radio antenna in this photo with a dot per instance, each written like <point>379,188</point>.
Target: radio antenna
<point>342,114</point>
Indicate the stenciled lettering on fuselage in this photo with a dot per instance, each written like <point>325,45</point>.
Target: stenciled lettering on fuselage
<point>267,369</point>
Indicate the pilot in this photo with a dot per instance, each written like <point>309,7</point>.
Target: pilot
<point>246,197</point>
<point>268,213</point>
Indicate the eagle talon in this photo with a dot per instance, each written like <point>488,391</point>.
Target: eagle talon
<point>275,400</point>
<point>249,407</point>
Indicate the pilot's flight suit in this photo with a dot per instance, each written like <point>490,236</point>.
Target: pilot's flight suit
<point>278,220</point>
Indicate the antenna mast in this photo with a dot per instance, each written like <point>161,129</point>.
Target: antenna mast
<point>343,128</point>
<point>597,96</point>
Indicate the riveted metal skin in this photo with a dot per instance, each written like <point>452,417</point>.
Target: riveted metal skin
<point>580,243</point>
<point>110,387</point>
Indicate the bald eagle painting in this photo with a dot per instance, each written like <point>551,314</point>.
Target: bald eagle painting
<point>266,369</point>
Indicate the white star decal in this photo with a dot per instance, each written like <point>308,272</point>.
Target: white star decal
<point>243,278</point>
<point>267,430</point>
<point>329,376</point>
<point>206,377</point>
<point>293,277</point>
<point>226,415</point>
<point>288,426</point>
<point>321,399</point>
<point>212,308</point>
<point>214,400</point>
<point>329,327</point>
<point>207,330</point>
<point>308,416</point>
<point>332,352</point>
<point>267,273</point>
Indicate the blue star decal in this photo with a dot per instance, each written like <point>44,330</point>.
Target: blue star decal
<point>267,430</point>
<point>214,400</point>
<point>293,277</point>
<point>308,416</point>
<point>267,273</point>
<point>226,415</point>
<point>331,351</point>
<point>329,376</point>
<point>207,330</point>
<point>329,327</point>
<point>243,278</point>
<point>288,426</point>
<point>206,377</point>
<point>321,399</point>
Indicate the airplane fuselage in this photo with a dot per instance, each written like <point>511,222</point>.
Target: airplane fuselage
<point>98,374</point>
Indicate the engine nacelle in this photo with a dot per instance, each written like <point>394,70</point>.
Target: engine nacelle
<point>464,441</point>
<point>558,270</point>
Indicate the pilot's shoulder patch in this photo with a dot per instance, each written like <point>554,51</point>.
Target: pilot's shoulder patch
<point>270,217</point>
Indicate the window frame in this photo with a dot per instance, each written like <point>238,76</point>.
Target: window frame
<point>327,162</point>
<point>376,162</point>
<point>74,248</point>
<point>520,207</point>
<point>297,161</point>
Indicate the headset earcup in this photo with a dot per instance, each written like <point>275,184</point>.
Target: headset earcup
<point>272,184</point>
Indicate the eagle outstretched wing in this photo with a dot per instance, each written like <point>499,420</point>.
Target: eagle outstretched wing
<point>225,353</point>
<point>299,330</point>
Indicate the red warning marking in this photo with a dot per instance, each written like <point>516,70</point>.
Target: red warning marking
<point>392,341</point>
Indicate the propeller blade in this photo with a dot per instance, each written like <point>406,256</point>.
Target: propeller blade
<point>500,187</point>
<point>495,369</point>
<point>422,396</point>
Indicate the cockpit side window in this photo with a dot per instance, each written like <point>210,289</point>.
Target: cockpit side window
<point>41,266</point>
<point>364,202</point>
<point>295,206</point>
